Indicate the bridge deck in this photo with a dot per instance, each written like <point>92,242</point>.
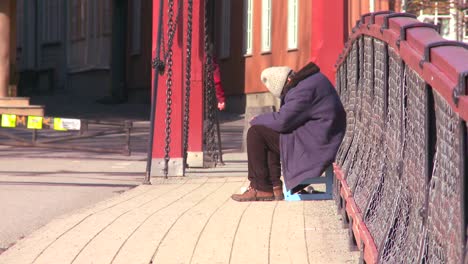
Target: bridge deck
<point>192,220</point>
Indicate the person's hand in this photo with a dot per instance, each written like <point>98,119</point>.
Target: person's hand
<point>221,106</point>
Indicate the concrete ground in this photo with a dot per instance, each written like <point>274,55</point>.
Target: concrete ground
<point>37,185</point>
<point>82,207</point>
<point>189,220</point>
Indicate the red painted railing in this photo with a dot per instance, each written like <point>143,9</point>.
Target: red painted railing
<point>443,65</point>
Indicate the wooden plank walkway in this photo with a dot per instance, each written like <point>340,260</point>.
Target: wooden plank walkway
<point>189,220</point>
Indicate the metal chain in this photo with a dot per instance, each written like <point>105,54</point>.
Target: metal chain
<point>210,99</point>
<point>157,63</point>
<point>188,69</point>
<point>168,59</point>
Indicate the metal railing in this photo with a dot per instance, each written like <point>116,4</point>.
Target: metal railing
<point>401,169</point>
<point>66,134</point>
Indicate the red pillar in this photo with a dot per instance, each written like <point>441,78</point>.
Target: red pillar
<point>175,166</point>
<point>327,39</point>
<point>195,142</point>
<point>5,13</point>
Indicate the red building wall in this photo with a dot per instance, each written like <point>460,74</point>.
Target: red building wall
<point>241,73</point>
<point>321,35</point>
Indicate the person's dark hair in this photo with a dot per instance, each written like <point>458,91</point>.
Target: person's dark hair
<point>295,77</point>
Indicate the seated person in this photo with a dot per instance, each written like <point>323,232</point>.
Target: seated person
<point>304,134</point>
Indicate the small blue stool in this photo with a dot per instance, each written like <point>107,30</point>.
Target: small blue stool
<point>326,179</point>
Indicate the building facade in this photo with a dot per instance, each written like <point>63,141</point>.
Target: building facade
<point>251,35</point>
<point>67,46</point>
<point>450,15</point>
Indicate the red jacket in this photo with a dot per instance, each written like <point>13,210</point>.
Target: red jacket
<point>218,86</point>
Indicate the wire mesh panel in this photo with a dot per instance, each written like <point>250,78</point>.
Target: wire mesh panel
<point>402,245</point>
<point>383,203</point>
<point>369,180</point>
<point>347,101</point>
<point>352,168</point>
<point>444,233</point>
<point>404,152</point>
<point>363,184</point>
<point>349,148</point>
<point>338,80</point>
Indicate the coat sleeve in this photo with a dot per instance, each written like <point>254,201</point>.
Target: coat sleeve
<point>218,85</point>
<point>291,115</point>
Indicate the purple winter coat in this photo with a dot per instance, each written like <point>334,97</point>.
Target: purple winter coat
<point>311,123</point>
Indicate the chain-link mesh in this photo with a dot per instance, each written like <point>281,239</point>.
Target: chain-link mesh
<point>349,147</point>
<point>344,96</point>
<point>444,235</point>
<point>345,99</point>
<point>382,203</point>
<point>368,185</point>
<point>368,142</point>
<point>359,136</point>
<point>404,157</point>
<point>403,247</point>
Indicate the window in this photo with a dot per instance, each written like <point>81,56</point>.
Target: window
<point>50,21</point>
<point>78,19</point>
<point>266,25</point>
<point>90,23</point>
<point>105,17</point>
<point>465,25</point>
<point>248,27</point>
<point>136,27</point>
<point>20,23</point>
<point>292,23</point>
<point>225,41</point>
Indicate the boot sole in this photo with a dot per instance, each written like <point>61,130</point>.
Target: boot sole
<point>279,198</point>
<point>257,199</point>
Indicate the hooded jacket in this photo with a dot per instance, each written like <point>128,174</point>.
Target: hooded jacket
<point>311,123</point>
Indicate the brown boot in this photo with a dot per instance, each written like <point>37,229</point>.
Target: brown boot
<point>278,192</point>
<point>253,195</point>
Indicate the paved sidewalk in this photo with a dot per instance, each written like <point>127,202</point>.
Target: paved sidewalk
<point>189,220</point>
<point>185,220</point>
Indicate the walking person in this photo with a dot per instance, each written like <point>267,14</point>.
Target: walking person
<point>302,138</point>
<point>220,97</point>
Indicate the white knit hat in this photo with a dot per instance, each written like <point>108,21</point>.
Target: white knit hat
<point>275,78</point>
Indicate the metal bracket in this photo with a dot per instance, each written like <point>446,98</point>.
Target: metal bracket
<point>372,17</point>
<point>445,43</point>
<point>414,25</point>
<point>363,17</point>
<point>394,15</point>
<point>158,65</point>
<point>358,24</point>
<point>460,89</point>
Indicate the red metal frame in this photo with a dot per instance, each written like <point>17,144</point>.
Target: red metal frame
<point>442,73</point>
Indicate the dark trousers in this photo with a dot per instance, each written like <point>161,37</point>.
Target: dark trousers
<point>263,158</point>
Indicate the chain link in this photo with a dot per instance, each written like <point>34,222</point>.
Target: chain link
<point>210,97</point>
<point>167,64</point>
<point>171,25</point>
<point>157,63</point>
<point>188,69</point>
